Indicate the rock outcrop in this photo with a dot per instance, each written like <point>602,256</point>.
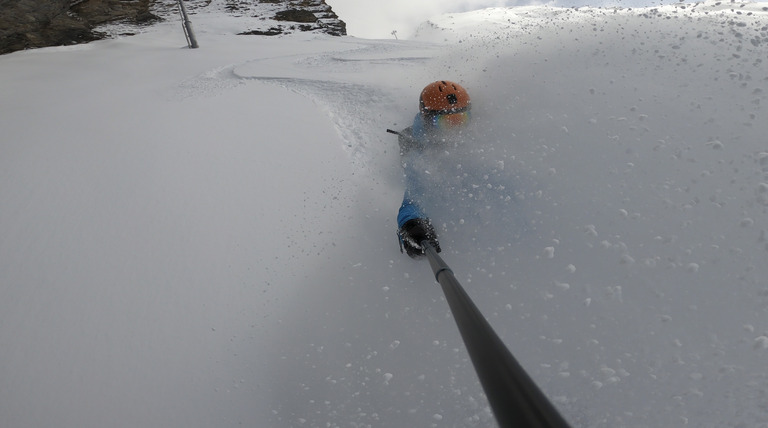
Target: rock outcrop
<point>289,16</point>
<point>26,24</point>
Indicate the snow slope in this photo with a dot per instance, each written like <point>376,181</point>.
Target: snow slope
<point>206,237</point>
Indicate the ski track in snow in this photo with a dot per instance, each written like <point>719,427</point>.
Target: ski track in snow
<point>342,89</point>
<point>353,108</point>
<point>209,84</point>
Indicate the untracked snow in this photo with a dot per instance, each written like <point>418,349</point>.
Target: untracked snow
<point>200,238</point>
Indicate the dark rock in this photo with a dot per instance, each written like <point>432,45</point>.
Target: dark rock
<point>271,32</point>
<point>26,24</point>
<point>97,12</point>
<point>290,16</point>
<point>295,15</point>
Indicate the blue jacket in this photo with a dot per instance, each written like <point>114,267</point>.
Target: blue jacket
<point>412,141</point>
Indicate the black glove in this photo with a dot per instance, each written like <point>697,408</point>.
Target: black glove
<point>413,232</point>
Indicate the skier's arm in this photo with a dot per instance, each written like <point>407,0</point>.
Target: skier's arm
<point>413,224</point>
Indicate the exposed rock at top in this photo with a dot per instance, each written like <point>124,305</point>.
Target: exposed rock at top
<point>295,15</point>
<point>26,24</point>
<point>289,16</point>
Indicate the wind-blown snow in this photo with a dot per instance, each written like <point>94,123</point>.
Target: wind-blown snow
<point>206,237</point>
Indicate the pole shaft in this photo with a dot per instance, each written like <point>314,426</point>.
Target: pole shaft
<point>191,39</point>
<point>515,399</point>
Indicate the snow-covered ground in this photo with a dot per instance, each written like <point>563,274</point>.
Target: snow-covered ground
<point>199,238</point>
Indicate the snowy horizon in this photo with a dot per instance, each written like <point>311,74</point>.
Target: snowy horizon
<point>207,238</point>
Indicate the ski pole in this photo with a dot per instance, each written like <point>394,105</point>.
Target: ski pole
<point>515,399</point>
<point>187,26</point>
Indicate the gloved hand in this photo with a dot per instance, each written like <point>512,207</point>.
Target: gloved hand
<point>413,232</point>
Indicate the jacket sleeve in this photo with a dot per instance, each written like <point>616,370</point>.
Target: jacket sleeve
<point>409,210</point>
<point>410,149</point>
<point>414,190</point>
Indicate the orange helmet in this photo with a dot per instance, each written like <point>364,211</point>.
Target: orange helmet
<point>443,96</point>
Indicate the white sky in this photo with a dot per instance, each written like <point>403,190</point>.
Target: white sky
<point>375,19</point>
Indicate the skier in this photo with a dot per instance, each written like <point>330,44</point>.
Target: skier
<point>444,111</point>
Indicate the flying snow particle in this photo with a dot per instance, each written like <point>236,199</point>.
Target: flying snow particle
<point>692,267</point>
<point>626,259</point>
<point>549,252</point>
<point>762,193</point>
<point>762,158</point>
<point>761,343</point>
<point>715,145</point>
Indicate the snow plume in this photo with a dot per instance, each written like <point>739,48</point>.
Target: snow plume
<point>469,193</point>
<point>376,20</point>
<point>641,131</point>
